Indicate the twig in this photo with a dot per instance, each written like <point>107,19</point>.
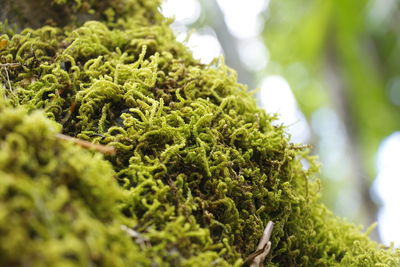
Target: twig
<point>257,258</point>
<point>108,150</point>
<point>142,241</point>
<point>4,67</point>
<point>301,147</point>
<point>8,79</point>
<point>10,65</point>
<point>130,231</point>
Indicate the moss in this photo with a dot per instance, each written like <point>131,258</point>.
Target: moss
<point>34,14</point>
<point>59,203</point>
<point>200,168</point>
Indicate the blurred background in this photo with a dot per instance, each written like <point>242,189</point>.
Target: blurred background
<point>331,69</point>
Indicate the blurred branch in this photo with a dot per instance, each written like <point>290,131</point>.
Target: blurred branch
<point>215,18</point>
<point>338,91</point>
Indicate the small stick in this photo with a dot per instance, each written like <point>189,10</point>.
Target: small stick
<point>8,79</point>
<point>130,231</point>
<point>142,241</point>
<point>301,147</point>
<point>257,258</point>
<point>108,150</point>
<point>9,65</point>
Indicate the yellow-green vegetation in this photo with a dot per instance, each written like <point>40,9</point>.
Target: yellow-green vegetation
<point>59,204</point>
<point>28,13</point>
<point>198,171</point>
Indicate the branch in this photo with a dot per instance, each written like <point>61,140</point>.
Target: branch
<point>108,150</point>
<point>5,66</point>
<point>257,258</point>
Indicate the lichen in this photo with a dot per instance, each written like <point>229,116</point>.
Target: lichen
<point>200,168</point>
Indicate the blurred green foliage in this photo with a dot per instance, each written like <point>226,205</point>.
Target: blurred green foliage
<point>308,38</point>
<point>343,56</point>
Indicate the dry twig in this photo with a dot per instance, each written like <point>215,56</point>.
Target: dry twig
<point>142,241</point>
<point>9,65</point>
<point>109,150</point>
<point>257,258</point>
<point>5,67</point>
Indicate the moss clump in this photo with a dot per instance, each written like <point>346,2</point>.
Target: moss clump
<point>59,204</point>
<point>34,14</point>
<point>201,168</point>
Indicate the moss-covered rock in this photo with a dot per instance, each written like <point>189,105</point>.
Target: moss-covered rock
<point>201,169</point>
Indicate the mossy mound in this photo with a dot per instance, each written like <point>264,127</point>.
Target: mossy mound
<point>201,168</point>
<point>37,13</point>
<point>59,204</point>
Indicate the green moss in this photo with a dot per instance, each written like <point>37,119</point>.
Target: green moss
<point>201,168</point>
<point>34,14</point>
<point>59,204</point>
